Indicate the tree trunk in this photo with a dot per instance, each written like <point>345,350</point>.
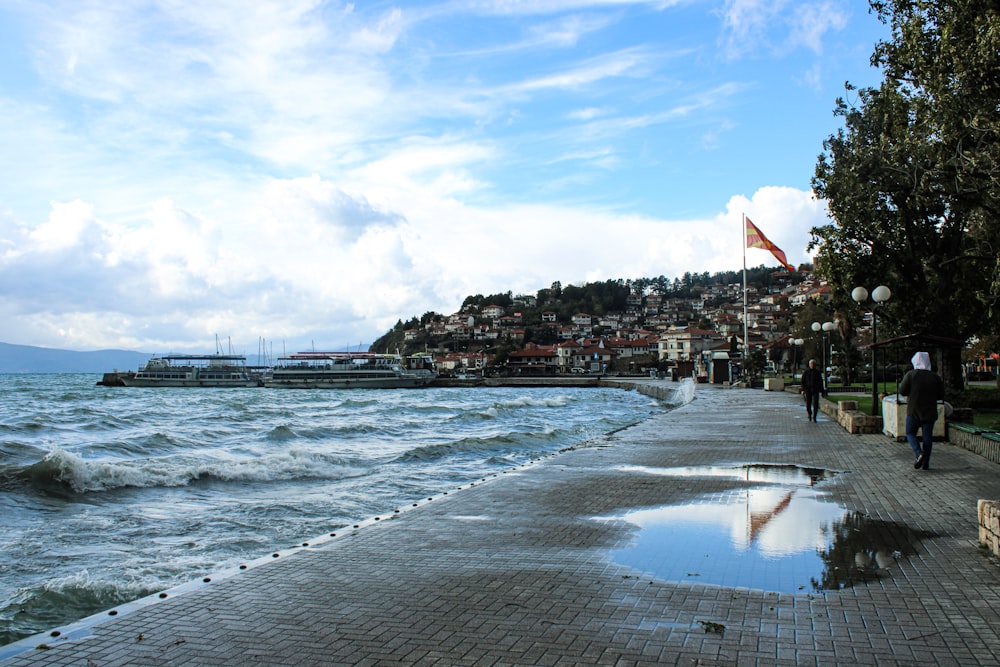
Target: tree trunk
<point>951,370</point>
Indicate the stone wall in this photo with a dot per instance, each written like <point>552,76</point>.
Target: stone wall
<point>660,391</point>
<point>989,525</point>
<point>984,442</point>
<point>846,414</point>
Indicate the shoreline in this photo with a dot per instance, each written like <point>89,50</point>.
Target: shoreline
<point>525,570</point>
<point>81,627</point>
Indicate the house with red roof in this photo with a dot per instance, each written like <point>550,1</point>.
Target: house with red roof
<point>534,360</point>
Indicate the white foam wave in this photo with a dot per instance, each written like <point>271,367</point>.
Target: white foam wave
<point>528,401</point>
<point>685,391</point>
<point>112,590</point>
<point>84,475</point>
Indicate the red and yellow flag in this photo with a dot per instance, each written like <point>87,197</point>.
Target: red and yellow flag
<point>756,239</point>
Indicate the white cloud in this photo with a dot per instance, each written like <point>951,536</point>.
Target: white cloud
<point>314,262</point>
<point>68,226</point>
<point>379,37</point>
<point>747,24</point>
<point>438,166</point>
<point>548,6</point>
<point>623,63</point>
<point>279,83</point>
<point>811,22</point>
<point>306,170</point>
<point>565,31</point>
<point>588,114</point>
<point>756,26</point>
<point>785,215</point>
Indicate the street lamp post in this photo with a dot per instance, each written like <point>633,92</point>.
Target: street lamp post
<point>880,295</point>
<point>818,328</point>
<point>828,328</point>
<point>822,330</point>
<point>796,344</point>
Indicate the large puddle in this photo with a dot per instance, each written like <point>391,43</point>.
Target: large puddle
<point>778,532</point>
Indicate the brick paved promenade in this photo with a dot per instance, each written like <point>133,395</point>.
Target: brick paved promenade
<point>526,568</point>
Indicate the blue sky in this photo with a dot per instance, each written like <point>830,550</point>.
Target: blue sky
<point>309,172</point>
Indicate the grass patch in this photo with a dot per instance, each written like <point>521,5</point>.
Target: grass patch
<point>883,387</point>
<point>982,398</point>
<point>990,420</point>
<point>864,402</point>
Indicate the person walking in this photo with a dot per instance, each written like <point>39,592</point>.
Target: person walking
<point>812,387</point>
<point>923,388</point>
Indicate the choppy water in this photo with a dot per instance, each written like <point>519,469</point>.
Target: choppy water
<point>109,494</point>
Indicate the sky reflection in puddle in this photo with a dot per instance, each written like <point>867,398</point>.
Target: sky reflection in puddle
<point>777,533</point>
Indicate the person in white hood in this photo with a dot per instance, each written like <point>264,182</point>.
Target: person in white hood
<point>923,389</point>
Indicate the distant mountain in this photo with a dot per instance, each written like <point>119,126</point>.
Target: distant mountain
<point>29,359</point>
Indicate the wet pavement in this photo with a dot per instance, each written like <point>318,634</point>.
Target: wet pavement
<point>728,531</point>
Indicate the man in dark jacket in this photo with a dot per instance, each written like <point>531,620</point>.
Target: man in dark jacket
<point>812,387</point>
<point>923,389</point>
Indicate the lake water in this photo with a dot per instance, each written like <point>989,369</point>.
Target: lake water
<point>110,494</point>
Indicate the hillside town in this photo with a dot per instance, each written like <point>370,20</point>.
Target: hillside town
<point>699,331</point>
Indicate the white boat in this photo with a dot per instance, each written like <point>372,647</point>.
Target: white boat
<point>193,370</point>
<point>351,370</point>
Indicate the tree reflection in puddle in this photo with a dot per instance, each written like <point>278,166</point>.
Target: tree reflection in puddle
<point>777,533</point>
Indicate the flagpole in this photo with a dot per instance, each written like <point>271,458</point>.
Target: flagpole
<point>746,347</point>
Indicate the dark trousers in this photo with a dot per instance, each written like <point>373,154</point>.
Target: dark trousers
<point>812,403</point>
<point>926,429</point>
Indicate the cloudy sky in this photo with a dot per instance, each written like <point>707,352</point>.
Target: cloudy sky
<point>307,172</point>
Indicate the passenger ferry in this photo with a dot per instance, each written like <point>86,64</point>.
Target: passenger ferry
<point>351,370</point>
<point>193,370</point>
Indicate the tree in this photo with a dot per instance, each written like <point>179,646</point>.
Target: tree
<point>755,362</point>
<point>811,311</point>
<point>950,52</point>
<point>502,353</point>
<point>849,353</point>
<point>912,181</point>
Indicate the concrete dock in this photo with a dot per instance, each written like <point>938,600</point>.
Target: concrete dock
<point>532,567</point>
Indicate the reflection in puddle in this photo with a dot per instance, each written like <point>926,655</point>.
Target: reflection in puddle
<point>770,474</point>
<point>778,534</point>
